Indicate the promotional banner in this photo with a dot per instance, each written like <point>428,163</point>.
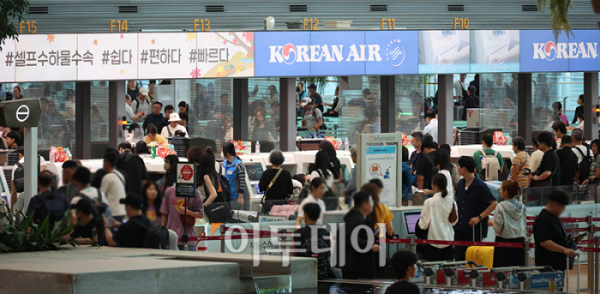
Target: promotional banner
<point>444,52</point>
<point>381,164</point>
<point>541,53</point>
<point>40,58</point>
<point>223,54</point>
<point>167,56</point>
<point>583,51</point>
<point>281,54</point>
<point>398,52</point>
<point>7,74</point>
<point>115,57</point>
<point>495,51</point>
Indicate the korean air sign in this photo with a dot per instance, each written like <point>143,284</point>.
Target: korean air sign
<point>336,53</point>
<point>575,53</point>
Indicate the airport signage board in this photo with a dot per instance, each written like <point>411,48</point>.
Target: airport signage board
<point>540,52</point>
<point>444,52</point>
<point>583,50</point>
<point>495,51</point>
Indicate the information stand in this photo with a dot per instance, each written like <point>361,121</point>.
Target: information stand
<point>380,157</point>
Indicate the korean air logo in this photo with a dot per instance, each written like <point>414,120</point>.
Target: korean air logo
<point>395,52</point>
<point>289,53</point>
<point>550,50</point>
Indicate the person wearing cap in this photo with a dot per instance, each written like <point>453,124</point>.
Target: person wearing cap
<point>155,118</point>
<point>141,105</point>
<point>130,234</point>
<point>316,97</point>
<point>173,126</point>
<point>85,213</point>
<point>313,117</point>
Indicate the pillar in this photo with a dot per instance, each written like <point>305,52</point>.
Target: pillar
<point>445,110</point>
<point>590,103</point>
<point>525,108</point>
<point>240,109</point>
<point>388,104</point>
<point>31,166</point>
<point>287,105</point>
<point>82,120</point>
<point>116,103</point>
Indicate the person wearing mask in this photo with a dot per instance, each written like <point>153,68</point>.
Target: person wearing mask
<point>560,130</point>
<point>407,179</point>
<point>475,203</point>
<point>113,185</point>
<point>275,182</point>
<point>595,166</point>
<point>438,216</point>
<point>155,118</point>
<point>471,101</point>
<point>549,167</point>
<point>234,170</point>
<point>558,113</point>
<point>153,136</point>
<point>133,167</point>
<point>404,264</point>
<point>152,202</point>
<point>487,143</point>
<point>579,109</point>
<point>460,88</point>
<point>510,225</point>
<point>536,156</point>
<point>568,162</point>
<point>171,129</point>
<point>69,189</point>
<point>358,265</point>
<point>351,185</point>
<point>317,190</point>
<point>417,141</point>
<point>552,244</point>
<point>432,125</point>
<point>141,105</point>
<point>313,118</point>
<point>335,107</point>
<point>130,234</point>
<point>48,202</point>
<point>520,164</point>
<point>426,163</point>
<point>316,97</point>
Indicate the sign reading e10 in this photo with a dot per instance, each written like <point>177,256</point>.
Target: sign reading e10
<point>461,23</point>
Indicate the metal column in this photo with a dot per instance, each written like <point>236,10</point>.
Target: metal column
<point>83,128</point>
<point>590,103</point>
<point>31,166</point>
<point>525,108</point>
<point>287,110</point>
<point>240,109</point>
<point>388,104</point>
<point>116,104</point>
<point>445,110</point>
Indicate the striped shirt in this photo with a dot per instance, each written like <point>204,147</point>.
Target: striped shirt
<point>522,159</point>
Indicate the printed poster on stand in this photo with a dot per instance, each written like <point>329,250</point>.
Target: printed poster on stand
<point>185,185</point>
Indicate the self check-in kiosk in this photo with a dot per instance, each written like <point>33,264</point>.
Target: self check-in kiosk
<point>289,162</point>
<point>255,166</point>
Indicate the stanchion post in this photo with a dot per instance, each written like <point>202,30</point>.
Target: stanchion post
<point>527,252</point>
<point>591,268</point>
<point>223,230</point>
<point>413,245</point>
<point>597,270</point>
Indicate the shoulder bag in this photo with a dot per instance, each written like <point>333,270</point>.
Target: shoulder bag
<point>218,211</point>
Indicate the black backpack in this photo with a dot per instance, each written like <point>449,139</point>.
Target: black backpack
<point>323,126</point>
<point>52,207</point>
<point>226,193</point>
<point>585,164</point>
<point>155,237</point>
<point>20,176</point>
<point>323,266</point>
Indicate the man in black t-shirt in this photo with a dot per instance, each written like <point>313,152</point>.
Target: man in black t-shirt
<point>131,233</point>
<point>425,164</point>
<point>551,239</point>
<point>404,264</point>
<point>568,161</point>
<point>91,220</point>
<point>550,165</point>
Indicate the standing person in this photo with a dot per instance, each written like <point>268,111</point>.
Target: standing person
<point>417,141</point>
<point>170,174</point>
<point>262,130</point>
<point>275,182</point>
<point>151,87</point>
<point>2,93</point>
<point>12,143</point>
<point>155,118</point>
<point>442,159</point>
<point>130,234</point>
<point>404,264</point>
<point>510,225</point>
<point>559,115</point>
<point>475,203</point>
<point>552,244</point>
<point>183,107</point>
<point>152,202</point>
<point>550,165</point>
<point>351,185</point>
<point>300,91</point>
<point>313,118</point>
<point>133,167</point>
<point>113,185</point>
<point>560,129</point>
<point>208,181</point>
<point>358,264</point>
<point>334,162</point>
<point>130,115</point>
<point>172,207</point>
<point>520,163</point>
<point>69,189</point>
<point>471,101</point>
<point>584,156</point>
<point>322,169</point>
<point>235,171</point>
<point>407,179</point>
<point>536,156</point>
<point>487,143</point>
<point>17,93</point>
<point>316,97</point>
<point>438,216</point>
<point>141,104</point>
<point>81,179</point>
<point>454,167</point>
<point>568,162</point>
<point>173,127</point>
<point>426,163</point>
<point>335,107</point>
<point>133,89</point>
<point>579,109</point>
<point>317,190</point>
<point>460,88</point>
<point>432,125</point>
<point>381,213</point>
<point>594,174</point>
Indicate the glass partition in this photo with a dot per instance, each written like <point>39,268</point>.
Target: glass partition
<point>211,110</point>
<point>411,102</point>
<point>360,112</point>
<point>551,90</point>
<point>263,113</point>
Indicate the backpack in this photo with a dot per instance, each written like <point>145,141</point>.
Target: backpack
<point>155,237</point>
<point>52,207</point>
<point>490,167</point>
<point>584,165</point>
<point>323,265</point>
<point>323,126</point>
<point>225,193</point>
<point>20,176</point>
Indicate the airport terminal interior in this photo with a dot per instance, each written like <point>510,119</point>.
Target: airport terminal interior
<point>300,147</point>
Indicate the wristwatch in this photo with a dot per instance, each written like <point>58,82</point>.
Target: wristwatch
<point>479,216</point>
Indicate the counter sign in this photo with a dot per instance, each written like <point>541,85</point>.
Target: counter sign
<point>185,185</point>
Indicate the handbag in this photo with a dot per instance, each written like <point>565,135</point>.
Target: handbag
<point>266,207</point>
<point>218,211</point>
<point>188,220</point>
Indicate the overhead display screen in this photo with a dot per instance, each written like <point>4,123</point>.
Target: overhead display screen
<point>495,51</point>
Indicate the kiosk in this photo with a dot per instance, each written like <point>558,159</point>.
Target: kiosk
<point>255,166</point>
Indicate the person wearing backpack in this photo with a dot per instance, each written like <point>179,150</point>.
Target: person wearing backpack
<point>81,179</point>
<point>568,161</point>
<point>585,156</point>
<point>130,234</point>
<point>234,170</point>
<point>489,163</point>
<point>18,200</point>
<point>313,118</point>
<point>133,167</point>
<point>305,237</point>
<point>594,173</point>
<point>47,202</point>
<point>113,185</point>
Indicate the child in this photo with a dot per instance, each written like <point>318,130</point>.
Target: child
<point>404,264</point>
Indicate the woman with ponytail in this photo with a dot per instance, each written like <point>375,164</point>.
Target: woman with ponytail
<point>439,216</point>
<point>510,225</point>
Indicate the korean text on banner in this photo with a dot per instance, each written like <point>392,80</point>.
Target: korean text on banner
<point>7,63</point>
<point>41,58</point>
<point>115,56</point>
<point>166,56</point>
<point>381,164</point>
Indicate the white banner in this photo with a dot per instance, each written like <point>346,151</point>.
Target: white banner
<point>115,57</point>
<point>7,74</point>
<point>40,58</point>
<point>166,56</point>
<point>225,54</point>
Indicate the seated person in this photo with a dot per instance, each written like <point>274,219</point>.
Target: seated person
<point>171,130</point>
<point>335,107</point>
<point>131,233</point>
<point>47,202</point>
<point>404,264</point>
<point>84,211</point>
<point>153,136</point>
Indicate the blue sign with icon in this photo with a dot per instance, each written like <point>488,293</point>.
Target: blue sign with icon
<point>398,52</point>
<point>583,51</point>
<point>281,54</point>
<point>540,52</point>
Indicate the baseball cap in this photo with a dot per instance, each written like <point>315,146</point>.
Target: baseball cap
<point>143,91</point>
<point>174,117</point>
<point>82,175</point>
<point>305,102</point>
<point>133,200</point>
<point>312,86</point>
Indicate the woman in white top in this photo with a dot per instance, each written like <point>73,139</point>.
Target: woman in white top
<point>322,169</point>
<point>439,216</point>
<point>169,130</point>
<point>317,190</point>
<point>442,158</point>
